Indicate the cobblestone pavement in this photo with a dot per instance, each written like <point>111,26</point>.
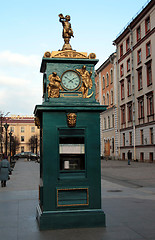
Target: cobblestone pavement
<point>128,199</point>
<point>136,175</point>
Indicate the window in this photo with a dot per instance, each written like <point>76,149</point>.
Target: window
<point>108,122</point>
<point>22,149</point>
<point>22,129</point>
<point>141,137</point>
<point>71,150</point>
<point>22,138</point>
<point>139,56</point>
<point>107,98</point>
<point>32,129</point>
<point>111,73</point>
<point>150,107</point>
<point>123,156</point>
<point>123,114</point>
<point>147,24</point>
<point>123,139</point>
<point>107,79</point>
<point>142,157</point>
<point>103,100</point>
<point>129,112</point>
<point>128,65</point>
<point>148,49</point>
<point>141,107</point>
<point>112,97</point>
<point>121,70</point>
<point>151,156</point>
<point>112,120</point>
<point>140,84</point>
<point>127,44</point>
<point>122,89</point>
<point>138,33</point>
<point>151,136</point>
<point>105,124</point>
<point>149,73</point>
<point>121,50</point>
<point>103,82</point>
<point>112,145</point>
<point>129,85</point>
<point>130,138</point>
<point>11,129</point>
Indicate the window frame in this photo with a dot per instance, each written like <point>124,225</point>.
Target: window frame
<point>127,44</point>
<point>147,23</point>
<point>138,31</point>
<point>128,65</point>
<point>129,85</point>
<point>149,73</point>
<point>121,50</point>
<point>121,70</point>
<point>139,56</point>
<point>140,78</point>
<point>130,114</point>
<point>122,89</point>
<point>148,49</point>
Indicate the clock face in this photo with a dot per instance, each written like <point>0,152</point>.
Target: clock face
<point>70,80</point>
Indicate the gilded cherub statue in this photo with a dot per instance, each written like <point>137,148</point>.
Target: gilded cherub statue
<point>54,85</point>
<point>67,31</point>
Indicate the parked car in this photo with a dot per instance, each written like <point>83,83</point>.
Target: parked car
<point>28,155</point>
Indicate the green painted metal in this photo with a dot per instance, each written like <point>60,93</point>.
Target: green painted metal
<point>69,199</point>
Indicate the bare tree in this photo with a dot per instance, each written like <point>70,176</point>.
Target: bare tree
<point>34,143</point>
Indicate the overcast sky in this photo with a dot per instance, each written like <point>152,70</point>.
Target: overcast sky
<point>29,28</point>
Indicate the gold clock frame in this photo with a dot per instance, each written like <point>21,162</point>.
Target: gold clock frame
<point>75,89</point>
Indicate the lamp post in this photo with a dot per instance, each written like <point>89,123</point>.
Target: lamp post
<point>1,130</point>
<point>10,134</point>
<point>6,142</point>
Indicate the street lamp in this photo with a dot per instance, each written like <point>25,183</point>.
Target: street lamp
<point>1,130</point>
<point>10,134</point>
<point>6,142</point>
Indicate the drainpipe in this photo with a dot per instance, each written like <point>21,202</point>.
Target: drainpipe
<point>133,94</point>
<point>118,101</point>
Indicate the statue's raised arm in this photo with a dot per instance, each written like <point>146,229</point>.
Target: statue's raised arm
<point>67,31</point>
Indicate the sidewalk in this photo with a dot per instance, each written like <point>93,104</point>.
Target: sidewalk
<point>130,212</point>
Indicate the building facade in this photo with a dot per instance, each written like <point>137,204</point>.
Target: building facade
<point>106,94</point>
<point>135,48</point>
<point>22,128</point>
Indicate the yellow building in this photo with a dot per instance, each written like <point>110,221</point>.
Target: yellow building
<point>23,128</point>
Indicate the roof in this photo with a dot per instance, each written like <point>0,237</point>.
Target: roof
<point>143,11</point>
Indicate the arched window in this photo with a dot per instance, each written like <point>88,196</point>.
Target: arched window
<point>107,98</point>
<point>108,122</point>
<point>105,125</point>
<point>103,82</point>
<point>103,99</point>
<point>112,97</point>
<point>107,79</point>
<point>111,73</point>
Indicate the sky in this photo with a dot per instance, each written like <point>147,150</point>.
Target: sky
<point>29,28</point>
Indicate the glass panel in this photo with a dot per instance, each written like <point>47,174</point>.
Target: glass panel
<point>72,153</point>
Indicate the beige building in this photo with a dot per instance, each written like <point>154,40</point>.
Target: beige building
<point>106,94</point>
<point>135,47</point>
<point>23,128</point>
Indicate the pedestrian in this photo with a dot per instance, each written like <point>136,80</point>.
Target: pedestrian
<point>4,170</point>
<point>129,157</point>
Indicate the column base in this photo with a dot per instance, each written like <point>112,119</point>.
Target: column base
<point>70,219</point>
